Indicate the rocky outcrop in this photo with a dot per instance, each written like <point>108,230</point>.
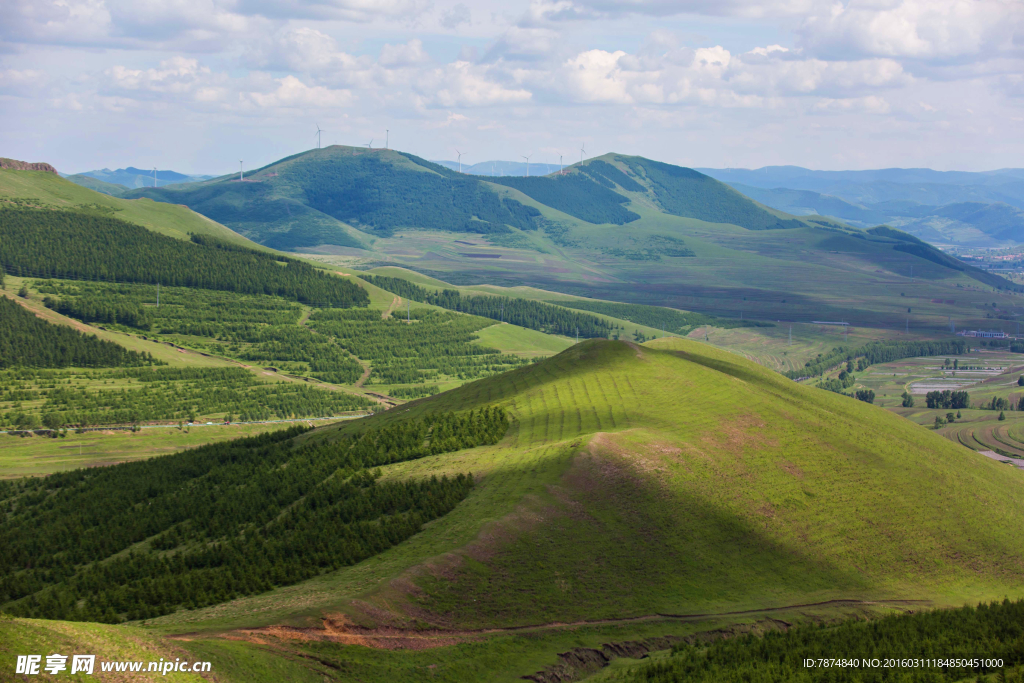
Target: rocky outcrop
<point>16,165</point>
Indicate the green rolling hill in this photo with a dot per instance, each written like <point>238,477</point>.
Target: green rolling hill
<point>617,227</point>
<point>101,186</point>
<point>632,482</point>
<point>49,191</point>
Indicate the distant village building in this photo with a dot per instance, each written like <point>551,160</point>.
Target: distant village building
<point>981,334</point>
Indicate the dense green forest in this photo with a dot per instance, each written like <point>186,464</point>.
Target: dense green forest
<point>923,647</point>
<point>79,246</point>
<point>685,192</point>
<point>659,317</point>
<point>879,352</point>
<point>574,194</point>
<point>432,345</point>
<point>523,312</point>
<point>366,189</point>
<point>133,395</point>
<point>240,517</point>
<point>28,341</point>
<point>386,196</point>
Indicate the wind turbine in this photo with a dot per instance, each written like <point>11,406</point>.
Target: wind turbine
<point>154,176</point>
<point>369,145</point>
<point>240,177</point>
<point>582,152</point>
<point>527,164</point>
<point>318,131</point>
<point>387,137</point>
<point>559,164</point>
<point>460,160</point>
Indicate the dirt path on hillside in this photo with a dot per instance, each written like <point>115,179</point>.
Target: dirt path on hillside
<point>338,628</point>
<point>362,378</point>
<point>395,303</point>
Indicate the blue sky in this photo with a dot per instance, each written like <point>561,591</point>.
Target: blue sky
<point>194,85</point>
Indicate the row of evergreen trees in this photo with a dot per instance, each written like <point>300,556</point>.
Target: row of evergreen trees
<point>79,246</point>
<point>878,352</point>
<point>949,645</point>
<point>658,317</point>
<point>241,517</point>
<point>523,312</point>
<point>28,341</point>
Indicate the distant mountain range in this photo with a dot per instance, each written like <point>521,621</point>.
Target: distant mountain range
<point>983,209</point>
<point>503,168</point>
<point>344,196</point>
<point>118,182</point>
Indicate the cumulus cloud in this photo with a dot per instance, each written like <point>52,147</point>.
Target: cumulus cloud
<point>293,93</point>
<point>405,55</point>
<point>461,84</point>
<point>22,82</point>
<point>175,76</point>
<point>569,10</point>
<point>194,25</point>
<point>916,29</point>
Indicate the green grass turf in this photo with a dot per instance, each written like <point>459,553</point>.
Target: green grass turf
<point>522,341</point>
<point>108,643</point>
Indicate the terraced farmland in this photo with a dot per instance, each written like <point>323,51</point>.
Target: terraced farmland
<point>1004,438</point>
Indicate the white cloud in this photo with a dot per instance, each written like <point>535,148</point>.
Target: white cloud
<point>293,93</point>
<point>461,84</point>
<point>176,76</point>
<point>916,29</point>
<point>22,83</point>
<point>405,55</point>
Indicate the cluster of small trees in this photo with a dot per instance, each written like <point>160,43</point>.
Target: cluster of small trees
<point>242,517</point>
<point>948,399</point>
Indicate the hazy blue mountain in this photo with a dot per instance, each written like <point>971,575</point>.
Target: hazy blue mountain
<point>132,177</point>
<point>920,185</point>
<point>966,223</point>
<point>500,168</point>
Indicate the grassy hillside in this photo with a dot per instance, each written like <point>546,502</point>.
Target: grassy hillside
<point>46,190</point>
<point>637,481</point>
<point>676,479</point>
<point>101,186</point>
